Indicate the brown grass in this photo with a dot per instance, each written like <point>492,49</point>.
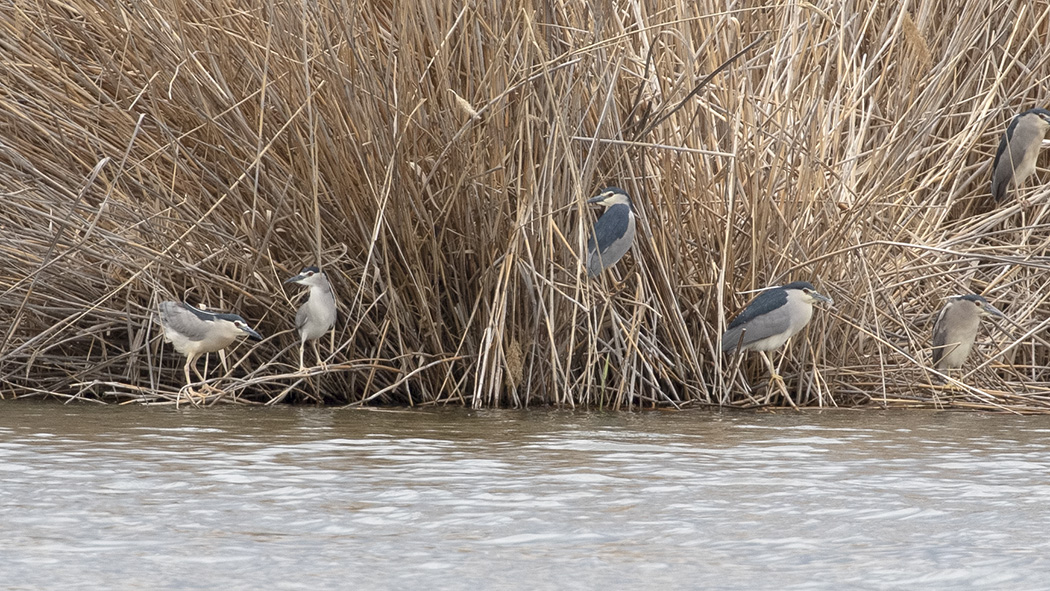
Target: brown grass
<point>435,157</point>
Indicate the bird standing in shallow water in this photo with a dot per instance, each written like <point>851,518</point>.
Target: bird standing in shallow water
<point>613,232</point>
<point>1018,150</point>
<point>317,315</point>
<point>196,332</point>
<point>772,318</point>
<point>956,329</point>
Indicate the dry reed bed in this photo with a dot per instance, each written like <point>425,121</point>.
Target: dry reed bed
<point>436,158</point>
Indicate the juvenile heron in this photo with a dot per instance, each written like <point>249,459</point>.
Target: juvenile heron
<point>196,332</point>
<point>1015,158</point>
<point>317,315</point>
<point>613,232</point>
<point>772,318</point>
<point>956,329</point>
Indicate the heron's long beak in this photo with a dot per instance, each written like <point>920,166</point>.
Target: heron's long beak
<point>598,199</point>
<point>253,335</point>
<point>298,277</point>
<point>822,298</point>
<point>991,310</point>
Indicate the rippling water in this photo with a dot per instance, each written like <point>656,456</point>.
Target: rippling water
<point>297,498</point>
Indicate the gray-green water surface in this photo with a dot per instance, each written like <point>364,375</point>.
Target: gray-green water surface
<point>298,498</point>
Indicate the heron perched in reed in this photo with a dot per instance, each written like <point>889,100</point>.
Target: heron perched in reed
<point>1018,149</point>
<point>772,318</point>
<point>195,332</point>
<point>317,315</point>
<point>613,232</point>
<point>955,330</point>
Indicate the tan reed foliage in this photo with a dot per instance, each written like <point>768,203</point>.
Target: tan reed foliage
<point>435,158</point>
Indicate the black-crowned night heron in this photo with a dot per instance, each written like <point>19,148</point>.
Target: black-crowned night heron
<point>956,329</point>
<point>1015,158</point>
<point>613,232</point>
<point>317,315</point>
<point>772,318</point>
<point>196,332</point>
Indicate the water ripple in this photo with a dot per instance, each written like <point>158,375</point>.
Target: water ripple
<point>317,498</point>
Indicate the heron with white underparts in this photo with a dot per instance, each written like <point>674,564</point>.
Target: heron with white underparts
<point>613,233</point>
<point>195,332</point>
<point>771,319</point>
<point>317,315</point>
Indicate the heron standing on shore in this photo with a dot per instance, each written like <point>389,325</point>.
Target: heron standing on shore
<point>196,332</point>
<point>317,315</point>
<point>772,318</point>
<point>956,327</point>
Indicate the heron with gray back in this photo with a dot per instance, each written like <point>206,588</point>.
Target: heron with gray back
<point>613,233</point>
<point>955,329</point>
<point>771,319</point>
<point>317,315</point>
<point>1018,149</point>
<point>195,332</point>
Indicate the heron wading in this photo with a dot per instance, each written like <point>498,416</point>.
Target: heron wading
<point>317,315</point>
<point>195,332</point>
<point>956,329</point>
<point>613,232</point>
<point>1018,150</point>
<point>772,318</point>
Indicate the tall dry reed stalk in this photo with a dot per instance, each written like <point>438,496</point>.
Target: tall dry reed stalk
<point>435,159</point>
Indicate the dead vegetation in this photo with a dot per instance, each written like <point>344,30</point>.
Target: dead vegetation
<point>435,158</point>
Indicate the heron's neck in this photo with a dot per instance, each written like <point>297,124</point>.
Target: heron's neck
<point>320,290</point>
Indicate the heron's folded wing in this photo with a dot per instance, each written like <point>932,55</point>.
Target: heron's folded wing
<point>182,319</point>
